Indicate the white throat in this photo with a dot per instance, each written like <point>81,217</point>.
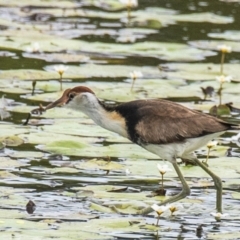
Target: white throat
<point>89,105</point>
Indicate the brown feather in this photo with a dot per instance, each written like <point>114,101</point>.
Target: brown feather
<point>161,122</point>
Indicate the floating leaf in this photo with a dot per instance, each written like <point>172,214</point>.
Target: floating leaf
<point>12,141</point>
<point>219,110</point>
<point>6,163</point>
<point>212,45</point>
<point>58,57</point>
<point>99,164</point>
<point>6,174</point>
<point>2,145</point>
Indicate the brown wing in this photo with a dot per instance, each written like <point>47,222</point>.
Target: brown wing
<point>161,121</point>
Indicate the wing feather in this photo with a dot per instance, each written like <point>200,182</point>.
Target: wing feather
<point>161,121</point>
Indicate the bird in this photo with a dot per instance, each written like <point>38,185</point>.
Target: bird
<point>165,128</point>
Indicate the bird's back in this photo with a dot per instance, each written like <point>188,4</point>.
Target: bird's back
<point>163,122</point>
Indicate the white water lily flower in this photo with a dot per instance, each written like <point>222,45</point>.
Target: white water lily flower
<point>35,47</point>
<point>136,74</point>
<point>212,144</point>
<point>224,48</point>
<point>159,209</point>
<point>236,139</point>
<point>3,103</point>
<point>222,79</point>
<point>60,69</point>
<point>218,216</point>
<point>129,3</point>
<point>3,112</point>
<point>163,168</point>
<point>126,39</point>
<point>127,171</point>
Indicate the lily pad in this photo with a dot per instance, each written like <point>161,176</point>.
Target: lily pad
<point>65,170</point>
<point>12,141</point>
<point>220,110</point>
<point>2,145</point>
<point>212,45</point>
<point>228,35</point>
<point>203,17</point>
<point>60,140</point>
<point>99,164</point>
<point>26,154</point>
<point>114,150</point>
<point>228,235</point>
<point>58,57</point>
<point>6,175</point>
<point>39,3</point>
<point>6,163</point>
<point>200,72</point>
<point>166,51</point>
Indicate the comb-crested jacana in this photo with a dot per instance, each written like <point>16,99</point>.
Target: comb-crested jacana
<point>162,127</point>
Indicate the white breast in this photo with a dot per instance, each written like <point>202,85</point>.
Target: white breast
<point>110,120</point>
<point>113,122</point>
<point>183,150</point>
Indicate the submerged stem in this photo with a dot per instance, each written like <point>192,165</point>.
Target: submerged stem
<point>129,13</point>
<point>158,219</point>
<point>222,62</point>
<point>60,82</point>
<point>220,94</point>
<point>162,181</point>
<point>207,155</point>
<point>33,86</point>
<point>133,81</point>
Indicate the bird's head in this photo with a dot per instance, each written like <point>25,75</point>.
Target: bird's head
<point>78,98</point>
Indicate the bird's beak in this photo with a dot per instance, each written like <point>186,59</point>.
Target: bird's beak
<point>61,101</point>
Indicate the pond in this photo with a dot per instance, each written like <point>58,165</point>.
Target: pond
<point>63,177</point>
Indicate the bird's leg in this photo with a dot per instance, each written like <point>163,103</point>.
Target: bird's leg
<point>217,181</point>
<point>185,191</point>
<point>205,161</point>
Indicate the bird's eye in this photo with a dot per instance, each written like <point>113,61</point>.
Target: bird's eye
<point>71,96</point>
